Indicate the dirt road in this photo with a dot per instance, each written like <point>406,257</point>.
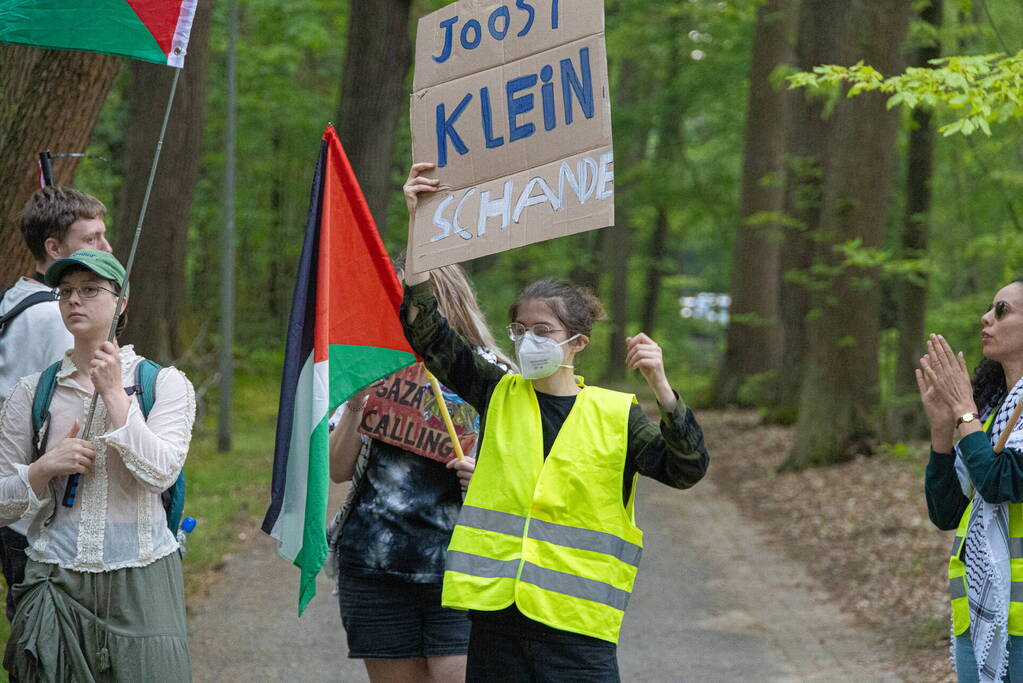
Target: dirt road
<point>714,602</point>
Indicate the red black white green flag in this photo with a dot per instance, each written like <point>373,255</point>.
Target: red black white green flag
<point>344,333</point>
<point>149,30</point>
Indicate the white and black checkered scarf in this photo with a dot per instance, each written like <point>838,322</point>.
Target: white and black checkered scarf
<point>988,578</point>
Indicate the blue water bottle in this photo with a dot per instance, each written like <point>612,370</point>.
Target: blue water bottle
<point>187,527</point>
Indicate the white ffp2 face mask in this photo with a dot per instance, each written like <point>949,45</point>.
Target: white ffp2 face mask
<point>540,357</point>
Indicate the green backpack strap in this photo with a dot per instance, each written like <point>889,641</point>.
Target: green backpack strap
<point>146,372</point>
<point>145,387</point>
<point>41,407</point>
<point>145,384</point>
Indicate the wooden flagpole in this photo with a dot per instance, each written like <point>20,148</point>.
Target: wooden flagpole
<point>1004,438</point>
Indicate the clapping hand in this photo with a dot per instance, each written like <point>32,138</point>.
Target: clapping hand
<point>945,390</point>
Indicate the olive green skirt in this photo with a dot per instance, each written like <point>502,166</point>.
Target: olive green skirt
<point>122,625</point>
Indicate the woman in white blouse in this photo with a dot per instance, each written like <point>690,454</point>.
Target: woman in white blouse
<point>103,595</point>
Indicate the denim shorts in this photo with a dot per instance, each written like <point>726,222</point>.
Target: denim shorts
<point>387,618</point>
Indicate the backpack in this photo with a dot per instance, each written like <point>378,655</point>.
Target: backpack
<point>23,305</point>
<point>145,387</point>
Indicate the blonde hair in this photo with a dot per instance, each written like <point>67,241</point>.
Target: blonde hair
<point>456,301</point>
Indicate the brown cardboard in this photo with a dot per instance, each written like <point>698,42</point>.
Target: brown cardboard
<point>401,410</point>
<point>576,19</point>
<point>555,81</point>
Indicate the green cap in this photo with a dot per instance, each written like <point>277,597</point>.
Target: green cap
<point>102,263</point>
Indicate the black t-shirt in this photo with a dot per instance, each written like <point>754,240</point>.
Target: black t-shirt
<point>554,411</point>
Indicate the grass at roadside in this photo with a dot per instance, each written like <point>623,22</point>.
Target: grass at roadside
<point>227,492</point>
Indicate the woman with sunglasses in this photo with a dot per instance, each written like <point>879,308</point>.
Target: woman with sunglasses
<point>979,492</point>
<point>103,597</point>
<point>546,548</point>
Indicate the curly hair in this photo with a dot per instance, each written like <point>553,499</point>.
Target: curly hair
<point>989,379</point>
<point>988,384</point>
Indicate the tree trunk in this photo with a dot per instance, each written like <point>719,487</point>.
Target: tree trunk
<point>655,255</point>
<point>668,153</point>
<point>753,340</point>
<point>907,420</point>
<point>158,280</point>
<point>618,248</point>
<point>838,416</point>
<point>51,100</point>
<point>819,26</point>
<point>617,242</point>
<point>373,95</point>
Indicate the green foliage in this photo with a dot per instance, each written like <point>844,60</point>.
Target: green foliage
<point>682,136</point>
<point>976,90</point>
<point>899,450</point>
<point>758,389</point>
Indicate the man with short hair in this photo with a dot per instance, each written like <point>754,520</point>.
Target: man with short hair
<point>56,222</point>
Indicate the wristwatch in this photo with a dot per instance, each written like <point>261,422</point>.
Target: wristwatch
<point>968,417</point>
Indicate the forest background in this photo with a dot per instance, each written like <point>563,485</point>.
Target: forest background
<point>843,228</point>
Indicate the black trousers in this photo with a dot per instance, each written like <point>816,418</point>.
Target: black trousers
<point>12,559</point>
<point>497,657</point>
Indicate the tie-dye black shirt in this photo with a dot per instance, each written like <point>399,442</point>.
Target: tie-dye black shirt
<point>401,522</point>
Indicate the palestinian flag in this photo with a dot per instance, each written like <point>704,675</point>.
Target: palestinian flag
<point>148,30</point>
<point>344,333</point>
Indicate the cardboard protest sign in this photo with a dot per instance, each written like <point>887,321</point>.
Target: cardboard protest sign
<point>401,410</point>
<point>511,102</point>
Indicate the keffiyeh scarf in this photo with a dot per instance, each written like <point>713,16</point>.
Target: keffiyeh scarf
<point>988,576</point>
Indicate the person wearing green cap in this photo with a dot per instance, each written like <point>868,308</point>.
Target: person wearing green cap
<point>55,222</point>
<point>103,595</point>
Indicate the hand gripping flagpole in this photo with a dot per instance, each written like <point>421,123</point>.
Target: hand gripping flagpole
<point>72,484</point>
<point>443,405</point>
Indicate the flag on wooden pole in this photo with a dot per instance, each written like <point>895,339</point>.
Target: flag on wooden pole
<point>344,332</point>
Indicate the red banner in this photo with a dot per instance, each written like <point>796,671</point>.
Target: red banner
<point>401,410</point>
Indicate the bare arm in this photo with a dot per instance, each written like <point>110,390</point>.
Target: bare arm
<point>345,441</point>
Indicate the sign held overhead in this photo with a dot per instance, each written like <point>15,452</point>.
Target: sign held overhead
<point>511,102</point>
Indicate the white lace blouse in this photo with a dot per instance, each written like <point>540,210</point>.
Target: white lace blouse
<point>117,519</point>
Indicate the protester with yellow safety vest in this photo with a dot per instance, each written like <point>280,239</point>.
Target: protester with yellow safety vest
<point>546,547</point>
<point>978,491</point>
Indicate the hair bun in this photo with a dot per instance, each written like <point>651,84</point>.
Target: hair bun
<point>578,308</point>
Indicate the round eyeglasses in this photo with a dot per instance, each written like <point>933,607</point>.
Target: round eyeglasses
<point>517,330</point>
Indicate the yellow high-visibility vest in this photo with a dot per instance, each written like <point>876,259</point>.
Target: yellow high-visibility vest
<point>957,569</point>
<point>551,536</point>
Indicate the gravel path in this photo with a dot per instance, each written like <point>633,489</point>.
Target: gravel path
<point>713,602</point>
